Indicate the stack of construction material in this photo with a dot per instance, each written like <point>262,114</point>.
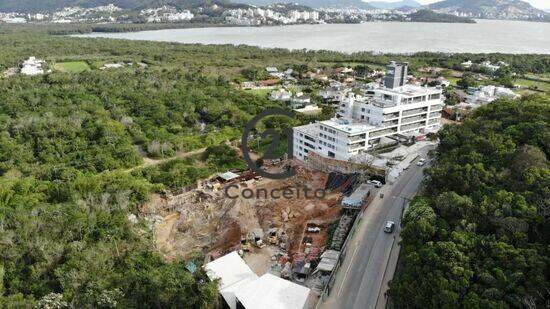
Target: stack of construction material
<point>342,230</point>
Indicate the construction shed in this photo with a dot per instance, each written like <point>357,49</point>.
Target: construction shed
<point>233,273</point>
<point>358,197</point>
<point>271,292</point>
<point>328,261</point>
<point>227,176</point>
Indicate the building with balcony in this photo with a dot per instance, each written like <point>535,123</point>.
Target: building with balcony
<point>362,121</point>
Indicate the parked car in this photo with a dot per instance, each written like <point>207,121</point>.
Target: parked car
<point>421,162</point>
<point>375,183</point>
<point>390,225</point>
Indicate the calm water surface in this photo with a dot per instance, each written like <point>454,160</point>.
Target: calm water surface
<point>394,37</point>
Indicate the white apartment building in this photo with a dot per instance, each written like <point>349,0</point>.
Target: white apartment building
<point>361,122</point>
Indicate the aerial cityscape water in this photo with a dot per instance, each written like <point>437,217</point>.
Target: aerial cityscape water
<point>394,37</point>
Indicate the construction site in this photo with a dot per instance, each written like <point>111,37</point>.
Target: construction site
<point>284,236</point>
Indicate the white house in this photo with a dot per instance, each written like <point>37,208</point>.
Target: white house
<point>487,94</point>
<point>300,100</point>
<point>33,66</point>
<point>281,95</point>
<point>487,65</point>
<point>468,64</point>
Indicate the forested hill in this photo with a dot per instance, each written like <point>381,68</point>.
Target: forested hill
<point>431,16</point>
<point>492,9</point>
<point>50,5</point>
<point>478,236</point>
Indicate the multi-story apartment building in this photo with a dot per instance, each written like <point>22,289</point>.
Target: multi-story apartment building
<point>361,122</point>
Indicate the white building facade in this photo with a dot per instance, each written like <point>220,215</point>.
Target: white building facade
<point>361,122</point>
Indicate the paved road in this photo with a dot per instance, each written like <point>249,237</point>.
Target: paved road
<point>370,262</point>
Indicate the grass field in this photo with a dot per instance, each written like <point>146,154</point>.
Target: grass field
<point>540,85</point>
<point>260,92</point>
<point>72,67</point>
<point>453,80</point>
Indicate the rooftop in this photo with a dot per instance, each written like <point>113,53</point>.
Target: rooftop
<point>409,90</point>
<point>233,273</point>
<point>347,125</point>
<point>271,292</point>
<point>310,129</point>
<point>227,176</point>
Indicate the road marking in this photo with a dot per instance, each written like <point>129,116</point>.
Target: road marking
<point>347,270</point>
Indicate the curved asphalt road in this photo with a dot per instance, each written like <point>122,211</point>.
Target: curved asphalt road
<point>370,260</point>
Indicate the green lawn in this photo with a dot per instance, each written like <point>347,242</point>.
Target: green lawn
<point>260,92</point>
<point>544,86</point>
<point>453,80</point>
<point>72,67</point>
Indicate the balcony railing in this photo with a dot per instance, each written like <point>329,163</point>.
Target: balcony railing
<point>413,119</point>
<point>389,124</point>
<point>383,132</point>
<point>357,138</point>
<point>356,146</point>
<point>391,116</point>
<point>435,108</point>
<point>435,115</point>
<point>413,126</point>
<point>415,111</point>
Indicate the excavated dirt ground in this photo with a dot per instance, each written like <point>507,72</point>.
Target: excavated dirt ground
<point>205,220</point>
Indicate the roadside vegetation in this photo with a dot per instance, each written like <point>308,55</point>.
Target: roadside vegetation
<point>477,237</point>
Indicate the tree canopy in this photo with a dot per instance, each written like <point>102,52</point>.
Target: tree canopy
<point>477,236</point>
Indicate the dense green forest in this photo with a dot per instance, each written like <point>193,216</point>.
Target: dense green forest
<point>72,145</point>
<point>67,143</point>
<point>478,236</point>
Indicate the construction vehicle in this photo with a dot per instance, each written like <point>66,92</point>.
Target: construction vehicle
<point>245,245</point>
<point>256,237</point>
<point>273,237</point>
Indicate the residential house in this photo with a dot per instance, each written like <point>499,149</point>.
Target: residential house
<point>280,95</point>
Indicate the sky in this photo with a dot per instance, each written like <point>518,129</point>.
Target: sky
<point>540,4</point>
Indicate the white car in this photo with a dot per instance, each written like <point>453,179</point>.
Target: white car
<point>421,162</point>
<point>376,183</point>
<point>390,225</point>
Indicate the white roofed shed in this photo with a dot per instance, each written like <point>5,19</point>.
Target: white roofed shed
<point>271,292</point>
